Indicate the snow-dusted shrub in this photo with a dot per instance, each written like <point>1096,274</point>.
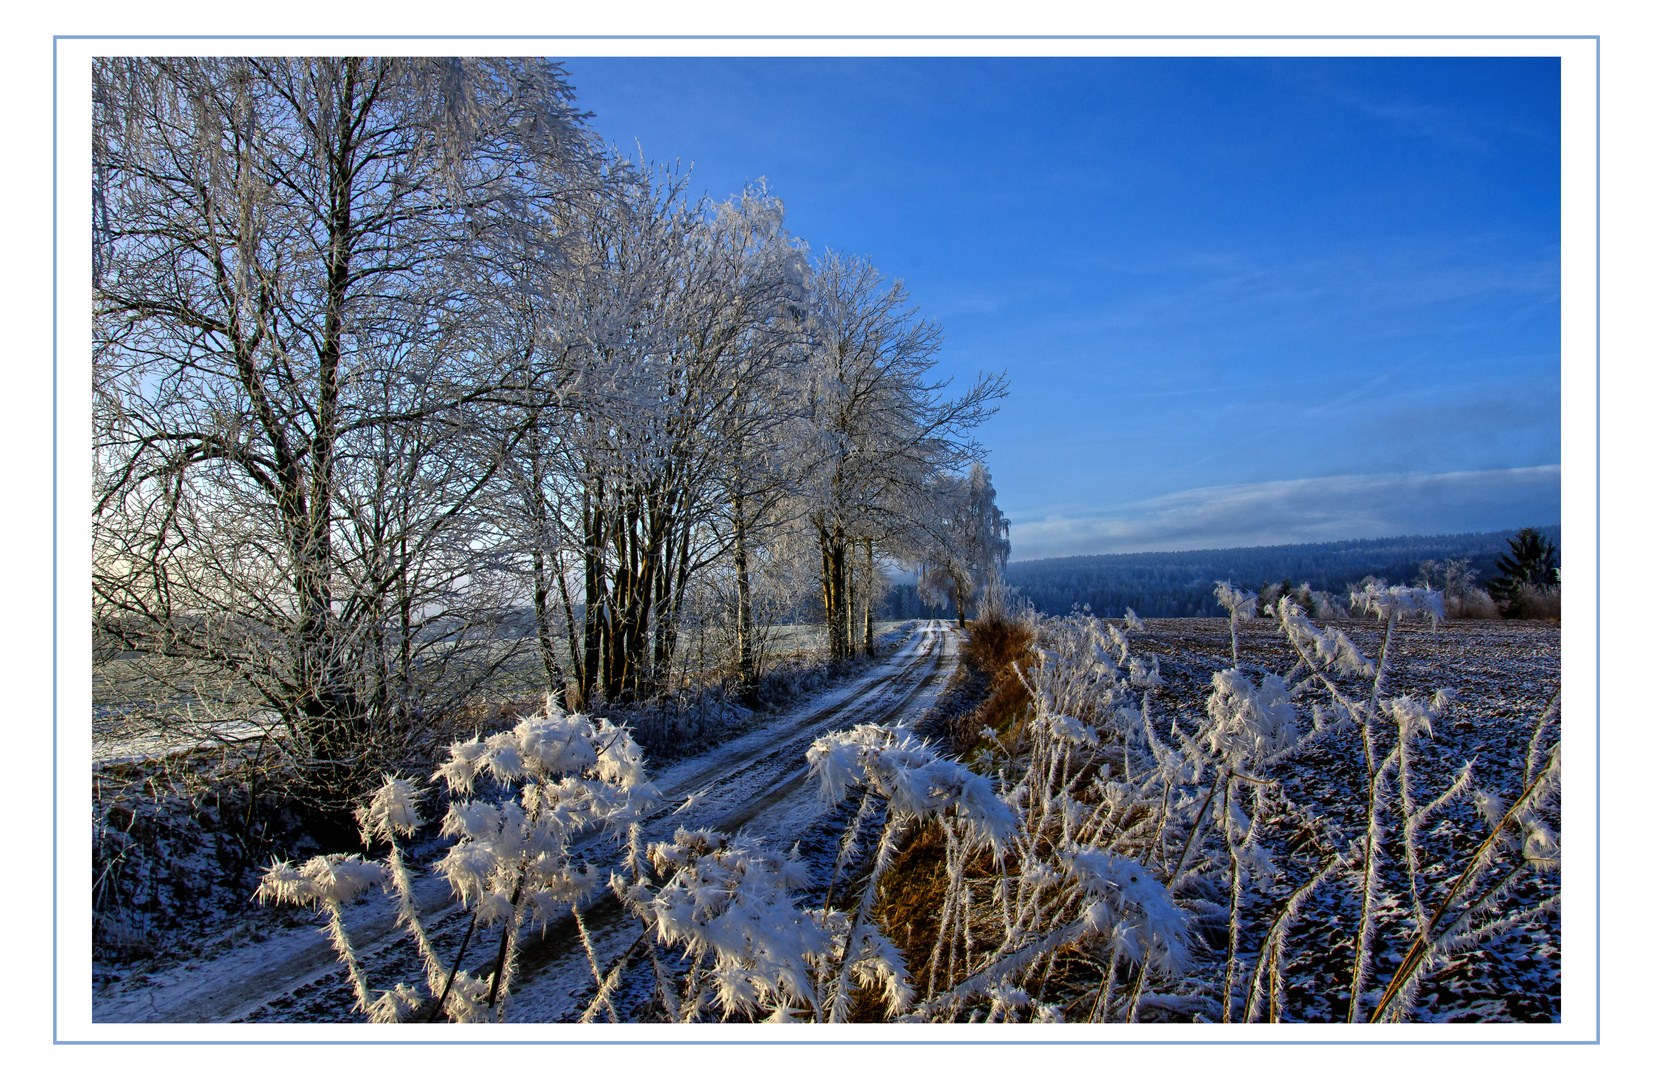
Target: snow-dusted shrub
<point>1146,870</point>
<point>1455,579</point>
<point>510,860</point>
<point>1536,602</point>
<point>1323,605</point>
<point>1473,604</point>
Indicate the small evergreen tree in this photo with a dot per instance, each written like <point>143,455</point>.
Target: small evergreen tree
<point>1533,560</point>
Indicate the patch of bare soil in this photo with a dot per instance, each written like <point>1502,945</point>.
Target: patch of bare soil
<point>1503,676</point>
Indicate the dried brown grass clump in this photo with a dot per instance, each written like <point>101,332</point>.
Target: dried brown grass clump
<point>909,909</point>
<point>910,899</point>
<point>1537,602</point>
<point>912,893</point>
<point>995,645</point>
<point>996,640</point>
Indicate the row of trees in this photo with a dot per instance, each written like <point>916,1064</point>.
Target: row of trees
<point>391,352</point>
<point>1179,583</point>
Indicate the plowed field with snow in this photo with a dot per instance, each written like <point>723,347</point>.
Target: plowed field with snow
<point>1503,675</point>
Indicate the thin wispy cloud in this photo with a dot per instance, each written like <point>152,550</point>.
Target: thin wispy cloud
<point>1308,510</point>
<point>1383,277</point>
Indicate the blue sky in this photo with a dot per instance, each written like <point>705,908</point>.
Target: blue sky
<point>1240,301</point>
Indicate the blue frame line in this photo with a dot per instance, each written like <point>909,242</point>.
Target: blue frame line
<point>1598,539</point>
<point>56,38</point>
<point>830,37</point>
<point>54,541</point>
<point>825,1042</point>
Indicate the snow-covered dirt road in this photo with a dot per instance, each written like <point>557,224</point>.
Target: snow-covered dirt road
<point>757,783</point>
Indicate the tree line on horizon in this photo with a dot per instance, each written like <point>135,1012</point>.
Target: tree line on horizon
<point>1180,584</point>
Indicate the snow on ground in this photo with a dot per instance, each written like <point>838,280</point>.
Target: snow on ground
<point>282,972</point>
<point>280,969</point>
<point>1504,675</point>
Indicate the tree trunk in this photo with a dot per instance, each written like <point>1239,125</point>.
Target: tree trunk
<point>867,638</point>
<point>595,588</point>
<point>581,686</point>
<point>745,629</point>
<point>329,702</point>
<point>850,620</point>
<point>834,590</point>
<point>542,624</point>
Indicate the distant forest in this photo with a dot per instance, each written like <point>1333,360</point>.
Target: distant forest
<point>902,602</point>
<point>1179,583</point>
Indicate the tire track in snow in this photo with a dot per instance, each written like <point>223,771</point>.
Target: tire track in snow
<point>759,773</point>
<point>553,972</point>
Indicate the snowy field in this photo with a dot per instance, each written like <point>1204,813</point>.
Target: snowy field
<point>273,965</point>
<point>136,717</point>
<point>1503,674</point>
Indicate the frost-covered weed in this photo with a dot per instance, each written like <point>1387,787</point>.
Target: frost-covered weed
<point>1241,605</point>
<point>916,782</point>
<point>1097,862</point>
<point>510,862</point>
<point>728,902</point>
<point>1145,871</point>
<point>1398,601</point>
<point>328,882</point>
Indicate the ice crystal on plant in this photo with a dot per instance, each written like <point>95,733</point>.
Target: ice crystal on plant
<point>460,770</point>
<point>1068,729</point>
<point>1329,646</point>
<point>1489,806</point>
<point>1411,716</point>
<point>393,811</point>
<point>1398,601</point>
<point>395,1006</point>
<point>1249,721</point>
<point>912,777</point>
<point>730,898</point>
<point>1131,907</point>
<point>333,879</point>
<point>1240,604</point>
<point>1146,676</point>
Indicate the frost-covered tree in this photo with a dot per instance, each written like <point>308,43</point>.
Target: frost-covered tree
<point>741,332</point>
<point>759,317</point>
<point>969,540</point>
<point>298,267</point>
<point>679,317</point>
<point>877,427</point>
<point>591,463</point>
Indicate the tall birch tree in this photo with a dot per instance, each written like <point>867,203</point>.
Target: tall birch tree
<point>293,261</point>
